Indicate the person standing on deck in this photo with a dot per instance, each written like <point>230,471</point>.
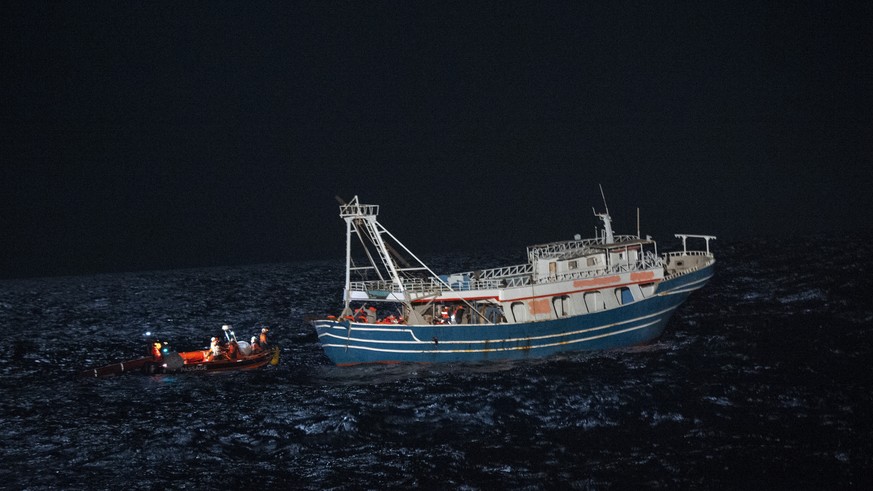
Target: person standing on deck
<point>263,338</point>
<point>232,350</point>
<point>458,315</point>
<point>156,351</point>
<point>214,348</point>
<point>444,315</point>
<point>256,348</point>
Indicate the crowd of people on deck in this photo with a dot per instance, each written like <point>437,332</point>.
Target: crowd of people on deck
<point>368,315</point>
<point>444,314</point>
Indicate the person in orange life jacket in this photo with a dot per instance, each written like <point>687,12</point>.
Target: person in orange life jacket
<point>156,351</point>
<point>360,315</point>
<point>263,338</point>
<point>232,349</point>
<point>444,315</point>
<point>256,348</point>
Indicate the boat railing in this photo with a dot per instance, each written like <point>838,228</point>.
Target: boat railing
<point>651,260</point>
<point>355,209</point>
<point>491,278</point>
<point>687,253</point>
<point>572,276</point>
<point>485,279</point>
<point>564,247</point>
<point>646,262</point>
<point>679,254</point>
<point>507,277</point>
<point>426,286</point>
<point>503,272</point>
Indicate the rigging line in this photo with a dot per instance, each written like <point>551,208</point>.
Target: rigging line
<point>364,245</point>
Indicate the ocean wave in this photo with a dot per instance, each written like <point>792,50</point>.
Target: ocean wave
<point>761,371</point>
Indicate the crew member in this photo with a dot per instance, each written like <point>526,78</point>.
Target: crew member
<point>371,315</point>
<point>263,338</point>
<point>458,315</point>
<point>214,348</point>
<point>156,350</point>
<point>232,349</point>
<point>256,348</point>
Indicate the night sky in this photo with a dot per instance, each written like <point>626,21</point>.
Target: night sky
<point>159,135</point>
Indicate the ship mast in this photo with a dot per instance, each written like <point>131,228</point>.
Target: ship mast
<point>387,264</point>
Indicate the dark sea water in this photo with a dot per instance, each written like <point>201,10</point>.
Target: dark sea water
<point>762,380</point>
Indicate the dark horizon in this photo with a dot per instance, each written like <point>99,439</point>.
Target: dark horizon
<point>161,136</point>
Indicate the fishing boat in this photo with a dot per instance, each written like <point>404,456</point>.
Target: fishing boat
<point>162,360</point>
<point>605,292</point>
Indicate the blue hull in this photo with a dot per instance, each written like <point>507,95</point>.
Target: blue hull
<point>350,343</point>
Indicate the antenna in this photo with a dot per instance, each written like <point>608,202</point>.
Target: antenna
<point>604,198</point>
<point>607,220</point>
<point>638,222</point>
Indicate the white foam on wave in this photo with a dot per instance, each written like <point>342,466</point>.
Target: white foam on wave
<point>804,296</point>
